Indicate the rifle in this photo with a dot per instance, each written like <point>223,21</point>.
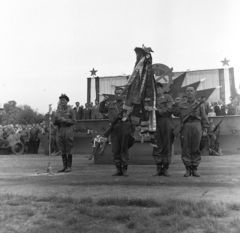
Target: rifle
<point>108,131</point>
<point>179,127</point>
<point>217,126</point>
<point>216,143</point>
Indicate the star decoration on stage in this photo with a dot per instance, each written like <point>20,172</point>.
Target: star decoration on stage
<point>225,62</point>
<point>93,72</point>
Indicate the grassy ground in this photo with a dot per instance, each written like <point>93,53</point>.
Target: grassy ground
<point>89,199</point>
<point>23,214</point>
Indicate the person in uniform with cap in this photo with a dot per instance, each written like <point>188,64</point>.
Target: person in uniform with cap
<point>120,134</point>
<point>193,129</point>
<point>65,118</point>
<point>162,154</point>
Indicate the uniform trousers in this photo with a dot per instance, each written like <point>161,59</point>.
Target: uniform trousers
<point>119,140</point>
<point>65,139</point>
<point>191,135</point>
<point>165,137</point>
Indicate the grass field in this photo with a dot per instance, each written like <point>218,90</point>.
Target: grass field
<point>89,199</point>
<point>23,214</point>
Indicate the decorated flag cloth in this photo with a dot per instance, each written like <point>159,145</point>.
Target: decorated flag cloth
<point>140,91</point>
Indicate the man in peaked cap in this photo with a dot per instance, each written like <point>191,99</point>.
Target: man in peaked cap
<point>65,118</point>
<point>162,154</point>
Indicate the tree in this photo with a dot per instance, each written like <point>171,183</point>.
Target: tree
<point>28,116</point>
<point>19,114</point>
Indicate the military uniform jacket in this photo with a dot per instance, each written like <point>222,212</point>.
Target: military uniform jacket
<point>113,108</point>
<point>183,108</point>
<point>164,105</point>
<point>65,117</point>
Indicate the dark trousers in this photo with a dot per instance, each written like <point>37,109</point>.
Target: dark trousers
<point>54,143</point>
<point>65,139</point>
<point>119,140</point>
<point>190,140</point>
<point>33,146</point>
<point>25,142</point>
<point>165,137</point>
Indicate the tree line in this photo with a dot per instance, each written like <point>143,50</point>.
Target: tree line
<point>23,114</point>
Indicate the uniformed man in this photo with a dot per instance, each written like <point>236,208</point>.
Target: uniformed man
<point>65,118</point>
<point>163,153</point>
<point>193,129</point>
<point>120,134</point>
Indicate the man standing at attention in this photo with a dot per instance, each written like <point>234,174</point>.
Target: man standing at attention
<point>78,111</point>
<point>95,111</point>
<point>87,112</point>
<point>33,139</point>
<point>65,118</point>
<point>163,153</point>
<point>231,107</point>
<point>120,133</point>
<point>193,129</point>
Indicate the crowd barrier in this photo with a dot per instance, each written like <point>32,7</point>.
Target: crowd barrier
<point>141,152</point>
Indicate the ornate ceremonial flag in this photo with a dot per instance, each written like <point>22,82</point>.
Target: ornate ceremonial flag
<point>140,91</point>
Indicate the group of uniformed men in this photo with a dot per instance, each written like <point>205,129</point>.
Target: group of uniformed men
<point>193,129</point>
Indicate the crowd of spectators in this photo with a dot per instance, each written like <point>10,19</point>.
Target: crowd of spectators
<point>212,109</point>
<point>27,134</point>
<point>219,108</point>
<point>89,112</point>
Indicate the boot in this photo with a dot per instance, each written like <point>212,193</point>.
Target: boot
<point>64,160</point>
<point>194,171</point>
<point>119,171</point>
<point>165,170</point>
<point>69,163</point>
<point>159,170</point>
<point>188,171</point>
<point>124,171</point>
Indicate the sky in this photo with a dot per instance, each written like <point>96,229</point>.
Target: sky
<point>48,47</point>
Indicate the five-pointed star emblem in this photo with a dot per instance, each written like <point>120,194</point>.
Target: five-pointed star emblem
<point>93,72</point>
<point>225,62</point>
